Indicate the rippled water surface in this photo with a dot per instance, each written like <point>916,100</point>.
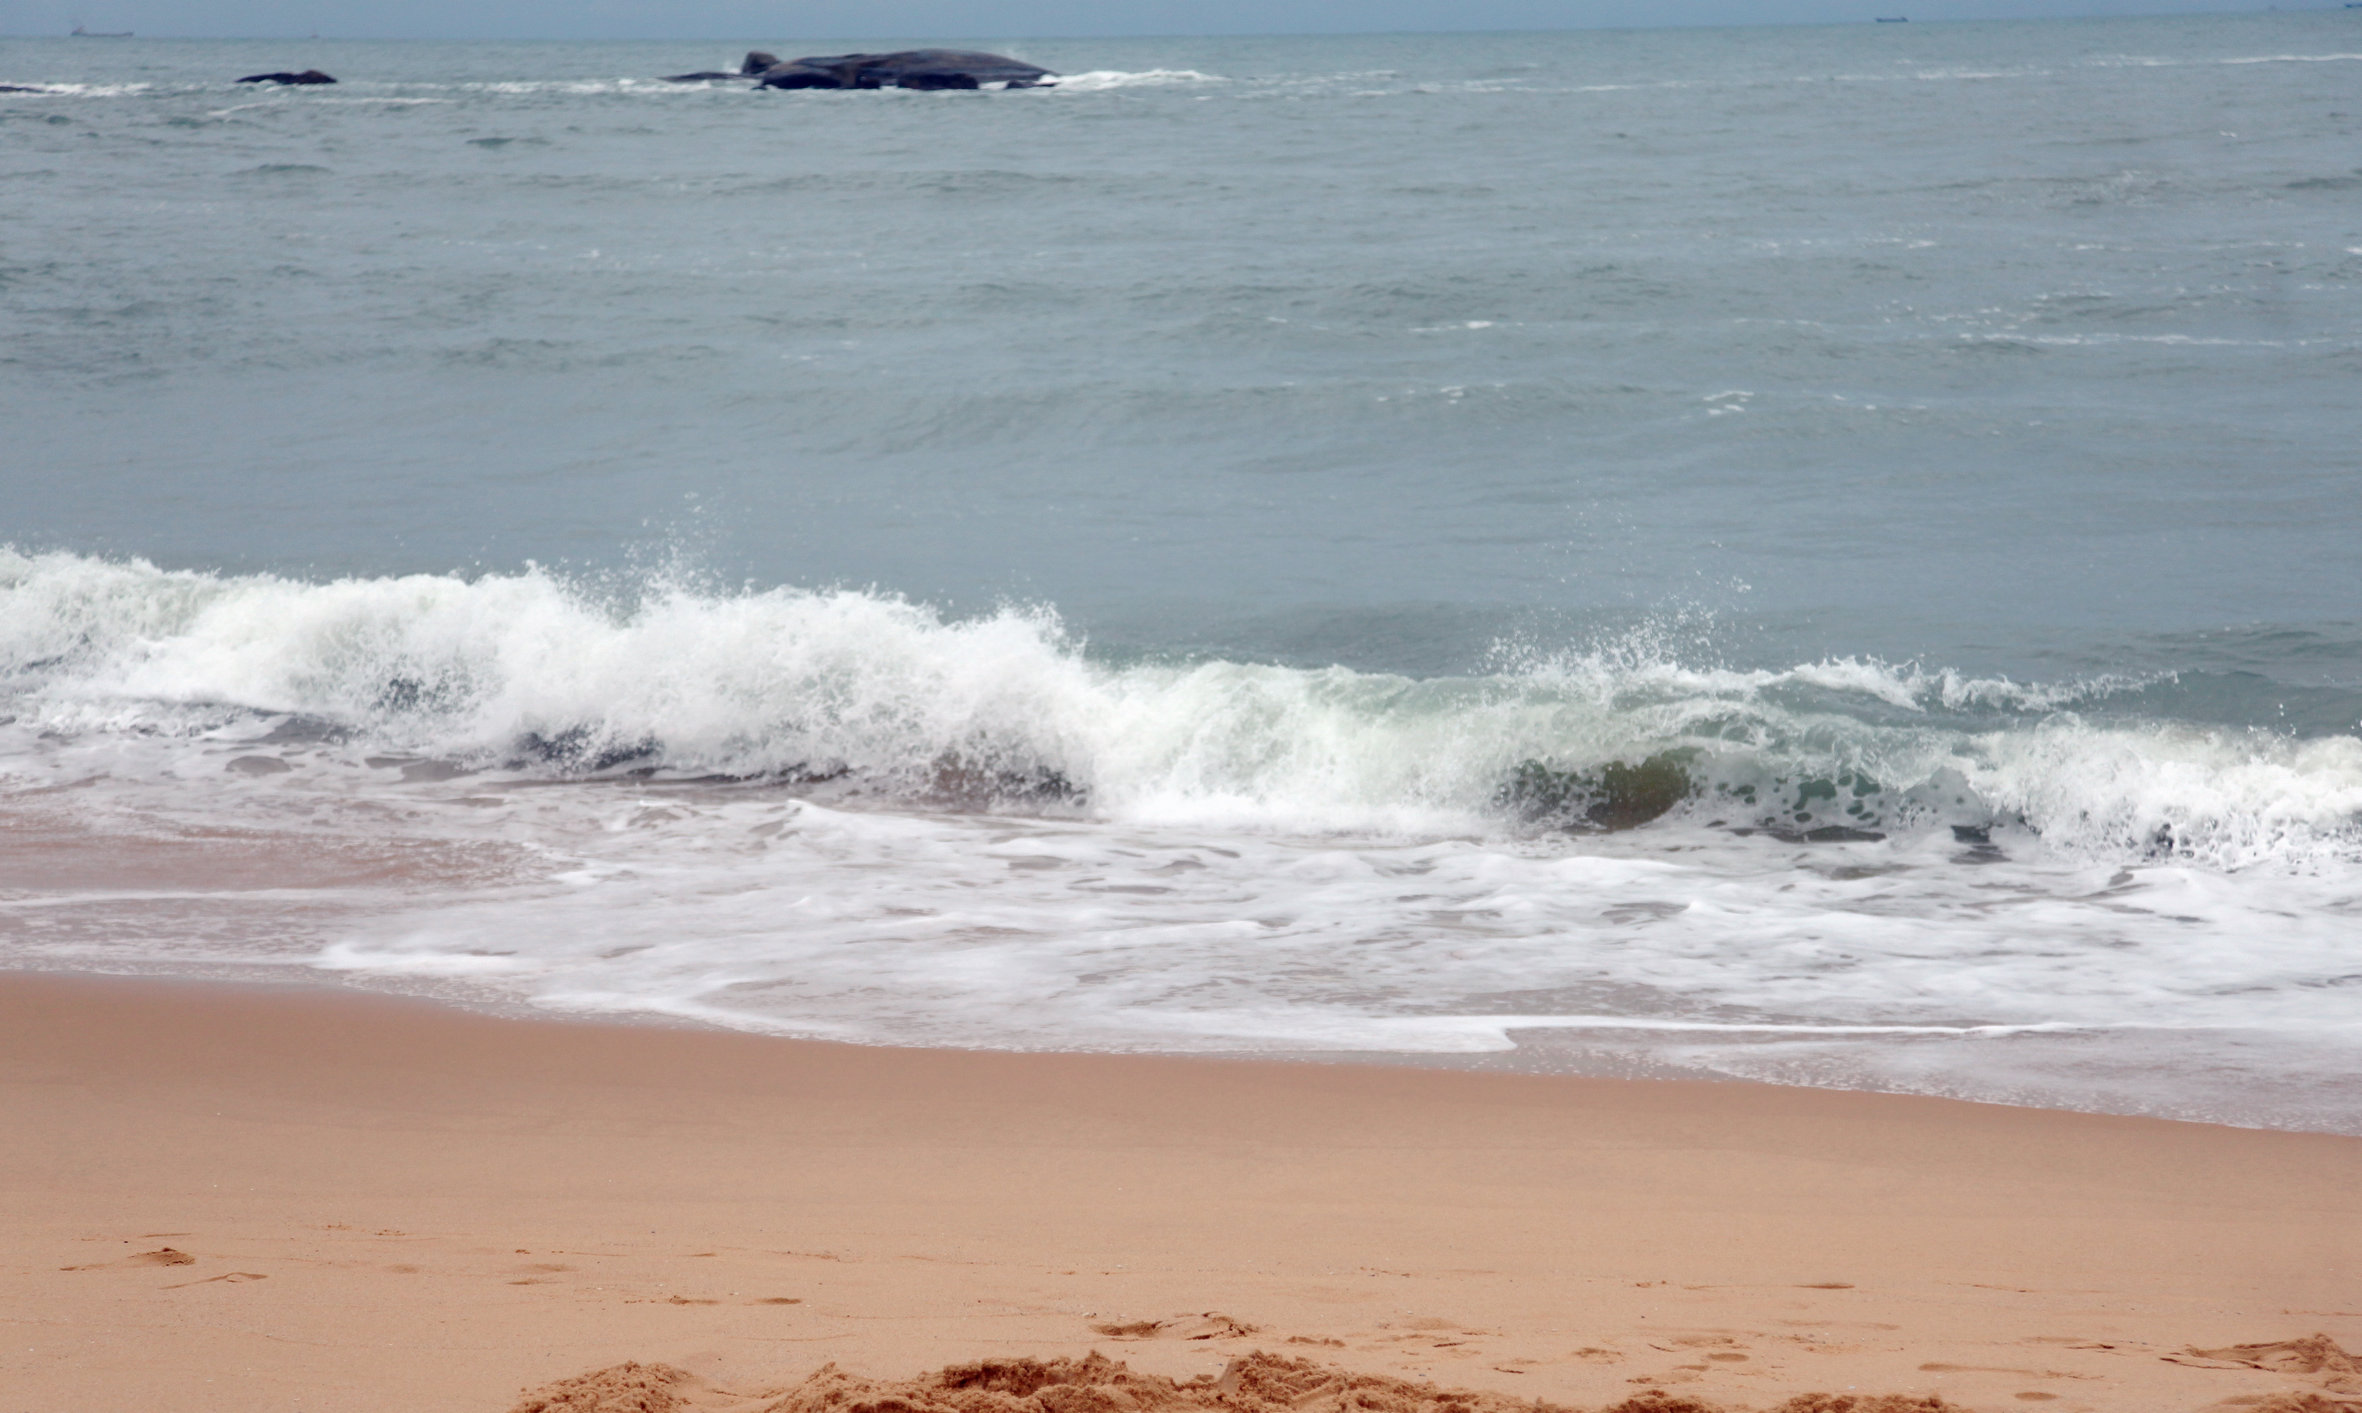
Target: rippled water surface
<point>1818,554</point>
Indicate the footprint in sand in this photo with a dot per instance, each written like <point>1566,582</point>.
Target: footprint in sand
<point>1681,1344</point>
<point>233,1277</point>
<point>2314,1356</point>
<point>1213,1324</point>
<point>161,1256</point>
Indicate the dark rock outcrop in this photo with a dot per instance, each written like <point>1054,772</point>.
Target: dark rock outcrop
<point>19,88</point>
<point>581,748</point>
<point>757,61</point>
<point>907,68</point>
<point>1615,796</point>
<point>307,76</point>
<point>799,74</point>
<point>938,79</point>
<point>706,76</point>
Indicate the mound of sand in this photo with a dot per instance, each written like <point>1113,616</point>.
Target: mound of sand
<point>625,1388</point>
<point>2314,1354</point>
<point>2318,1355</point>
<point>1258,1383</point>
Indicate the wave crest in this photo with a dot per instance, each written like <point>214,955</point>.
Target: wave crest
<point>531,671</point>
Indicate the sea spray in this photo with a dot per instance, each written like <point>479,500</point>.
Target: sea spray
<point>874,694</point>
<point>1949,476</point>
<point>849,815</point>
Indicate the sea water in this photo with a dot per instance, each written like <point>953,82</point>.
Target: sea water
<point>1829,555</point>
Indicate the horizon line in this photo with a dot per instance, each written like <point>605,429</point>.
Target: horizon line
<point>2318,7</point>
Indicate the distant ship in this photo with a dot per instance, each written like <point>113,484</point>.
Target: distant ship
<point>80,33</point>
<point>1906,19</point>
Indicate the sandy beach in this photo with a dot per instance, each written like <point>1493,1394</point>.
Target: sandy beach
<point>227,1198</point>
<point>1548,709</point>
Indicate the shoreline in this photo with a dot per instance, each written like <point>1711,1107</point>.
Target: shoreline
<point>395,1203</point>
<point>1536,1051</point>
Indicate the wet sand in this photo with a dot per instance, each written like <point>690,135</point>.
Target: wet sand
<point>217,1198</point>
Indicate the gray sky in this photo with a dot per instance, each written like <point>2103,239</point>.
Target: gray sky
<point>786,19</point>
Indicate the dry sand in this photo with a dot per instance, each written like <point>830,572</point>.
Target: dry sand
<point>221,1198</point>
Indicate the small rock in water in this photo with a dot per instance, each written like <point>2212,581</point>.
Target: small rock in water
<point>307,76</point>
<point>583,749</point>
<point>1615,796</point>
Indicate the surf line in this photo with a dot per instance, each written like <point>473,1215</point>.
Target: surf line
<point>1508,1023</point>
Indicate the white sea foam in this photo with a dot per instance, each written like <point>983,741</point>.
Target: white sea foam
<point>631,85</point>
<point>1892,964</point>
<point>2098,847</point>
<point>79,90</point>
<point>1101,80</point>
<point>973,833</point>
<point>1211,856</point>
<point>2296,59</point>
<point>2138,61</point>
<point>530,669</point>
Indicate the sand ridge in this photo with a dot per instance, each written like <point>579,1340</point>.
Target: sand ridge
<point>1254,1383</point>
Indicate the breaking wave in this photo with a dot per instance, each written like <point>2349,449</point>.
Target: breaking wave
<point>869,693</point>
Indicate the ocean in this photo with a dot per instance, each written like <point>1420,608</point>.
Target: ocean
<point>1823,555</point>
